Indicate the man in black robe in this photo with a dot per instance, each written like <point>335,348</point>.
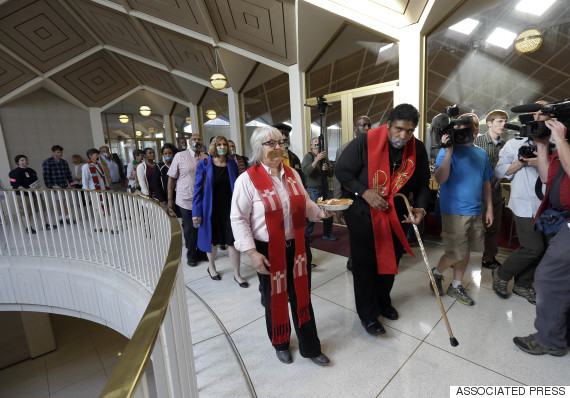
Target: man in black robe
<point>372,283</point>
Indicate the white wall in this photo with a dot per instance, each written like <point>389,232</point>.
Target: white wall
<point>32,124</point>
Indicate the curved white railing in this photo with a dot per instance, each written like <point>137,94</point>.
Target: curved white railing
<point>120,233</point>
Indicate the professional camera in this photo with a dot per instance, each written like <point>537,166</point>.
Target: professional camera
<point>444,123</point>
<point>527,151</point>
<point>536,128</point>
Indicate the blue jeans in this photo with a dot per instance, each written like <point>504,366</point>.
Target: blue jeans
<point>315,194</point>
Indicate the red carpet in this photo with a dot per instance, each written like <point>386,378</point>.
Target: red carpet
<point>340,246</point>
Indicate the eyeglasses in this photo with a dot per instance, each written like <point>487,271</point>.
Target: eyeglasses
<point>273,143</point>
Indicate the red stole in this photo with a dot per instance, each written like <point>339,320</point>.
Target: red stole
<point>95,174</point>
<point>277,254</point>
<point>379,177</point>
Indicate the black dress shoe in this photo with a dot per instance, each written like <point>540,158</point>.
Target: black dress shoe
<point>313,265</point>
<point>390,313</point>
<point>490,264</point>
<point>215,277</point>
<point>321,360</point>
<point>192,263</point>
<point>349,265</point>
<point>373,328</point>
<point>284,356</point>
<point>241,284</point>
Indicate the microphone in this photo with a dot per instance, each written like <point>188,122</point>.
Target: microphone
<point>511,126</point>
<point>527,108</point>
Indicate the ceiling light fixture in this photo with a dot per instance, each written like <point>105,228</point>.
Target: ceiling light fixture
<point>528,41</point>
<point>386,47</point>
<point>151,130</point>
<point>535,7</point>
<point>211,114</point>
<point>502,38</point>
<point>145,109</point>
<point>122,117</point>
<point>138,133</point>
<point>466,26</point>
<point>188,120</point>
<point>217,80</point>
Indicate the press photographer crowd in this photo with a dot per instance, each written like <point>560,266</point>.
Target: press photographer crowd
<point>537,164</point>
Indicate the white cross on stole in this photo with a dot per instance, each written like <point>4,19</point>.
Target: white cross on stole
<point>269,196</point>
<point>293,184</point>
<point>300,265</point>
<point>278,283</point>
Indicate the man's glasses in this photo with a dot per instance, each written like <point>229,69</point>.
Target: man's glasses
<point>273,143</point>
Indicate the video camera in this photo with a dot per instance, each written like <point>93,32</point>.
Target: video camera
<point>536,128</point>
<point>444,123</point>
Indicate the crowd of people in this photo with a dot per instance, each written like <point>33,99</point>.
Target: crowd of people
<point>265,206</point>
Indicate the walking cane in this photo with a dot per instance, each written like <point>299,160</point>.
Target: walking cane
<point>452,340</point>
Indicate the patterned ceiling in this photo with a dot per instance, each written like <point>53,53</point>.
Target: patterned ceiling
<point>100,50</point>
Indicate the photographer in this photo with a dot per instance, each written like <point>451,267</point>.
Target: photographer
<point>552,277</point>
<point>463,172</point>
<point>519,164</point>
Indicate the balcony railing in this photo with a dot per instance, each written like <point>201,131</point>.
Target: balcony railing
<point>124,233</point>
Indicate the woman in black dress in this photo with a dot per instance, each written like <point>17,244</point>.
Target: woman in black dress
<point>214,184</point>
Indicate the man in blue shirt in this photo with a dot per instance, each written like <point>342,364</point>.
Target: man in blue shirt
<point>463,173</point>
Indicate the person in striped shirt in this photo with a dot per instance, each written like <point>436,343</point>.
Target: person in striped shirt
<point>492,143</point>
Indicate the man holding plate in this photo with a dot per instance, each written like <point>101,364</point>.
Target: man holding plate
<point>373,167</point>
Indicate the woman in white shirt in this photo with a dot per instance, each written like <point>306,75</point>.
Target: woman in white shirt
<point>76,170</point>
<point>145,171</point>
<point>269,206</point>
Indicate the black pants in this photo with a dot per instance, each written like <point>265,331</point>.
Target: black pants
<point>190,235</point>
<point>371,291</point>
<point>309,262</point>
<point>552,281</point>
<point>309,343</point>
<point>522,263</point>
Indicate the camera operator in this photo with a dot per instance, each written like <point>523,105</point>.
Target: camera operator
<point>552,276</point>
<point>463,172</point>
<point>519,164</point>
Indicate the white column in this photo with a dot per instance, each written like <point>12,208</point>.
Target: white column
<point>235,124</point>
<point>410,66</point>
<point>297,98</point>
<point>194,119</point>
<point>167,129</point>
<point>5,165</point>
<point>97,127</point>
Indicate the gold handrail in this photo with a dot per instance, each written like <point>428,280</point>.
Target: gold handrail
<point>132,364</point>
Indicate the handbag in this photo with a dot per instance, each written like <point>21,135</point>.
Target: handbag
<point>550,222</point>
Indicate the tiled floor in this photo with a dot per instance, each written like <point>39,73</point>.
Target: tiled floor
<point>234,357</point>
<point>414,359</point>
<point>85,357</point>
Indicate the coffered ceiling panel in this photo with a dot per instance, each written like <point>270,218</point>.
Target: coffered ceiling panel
<point>12,74</point>
<point>180,12</point>
<point>184,53</point>
<point>266,27</point>
<point>95,80</point>
<point>115,29</point>
<point>154,77</point>
<point>42,35</point>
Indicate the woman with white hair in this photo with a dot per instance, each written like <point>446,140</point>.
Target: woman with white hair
<point>269,206</point>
